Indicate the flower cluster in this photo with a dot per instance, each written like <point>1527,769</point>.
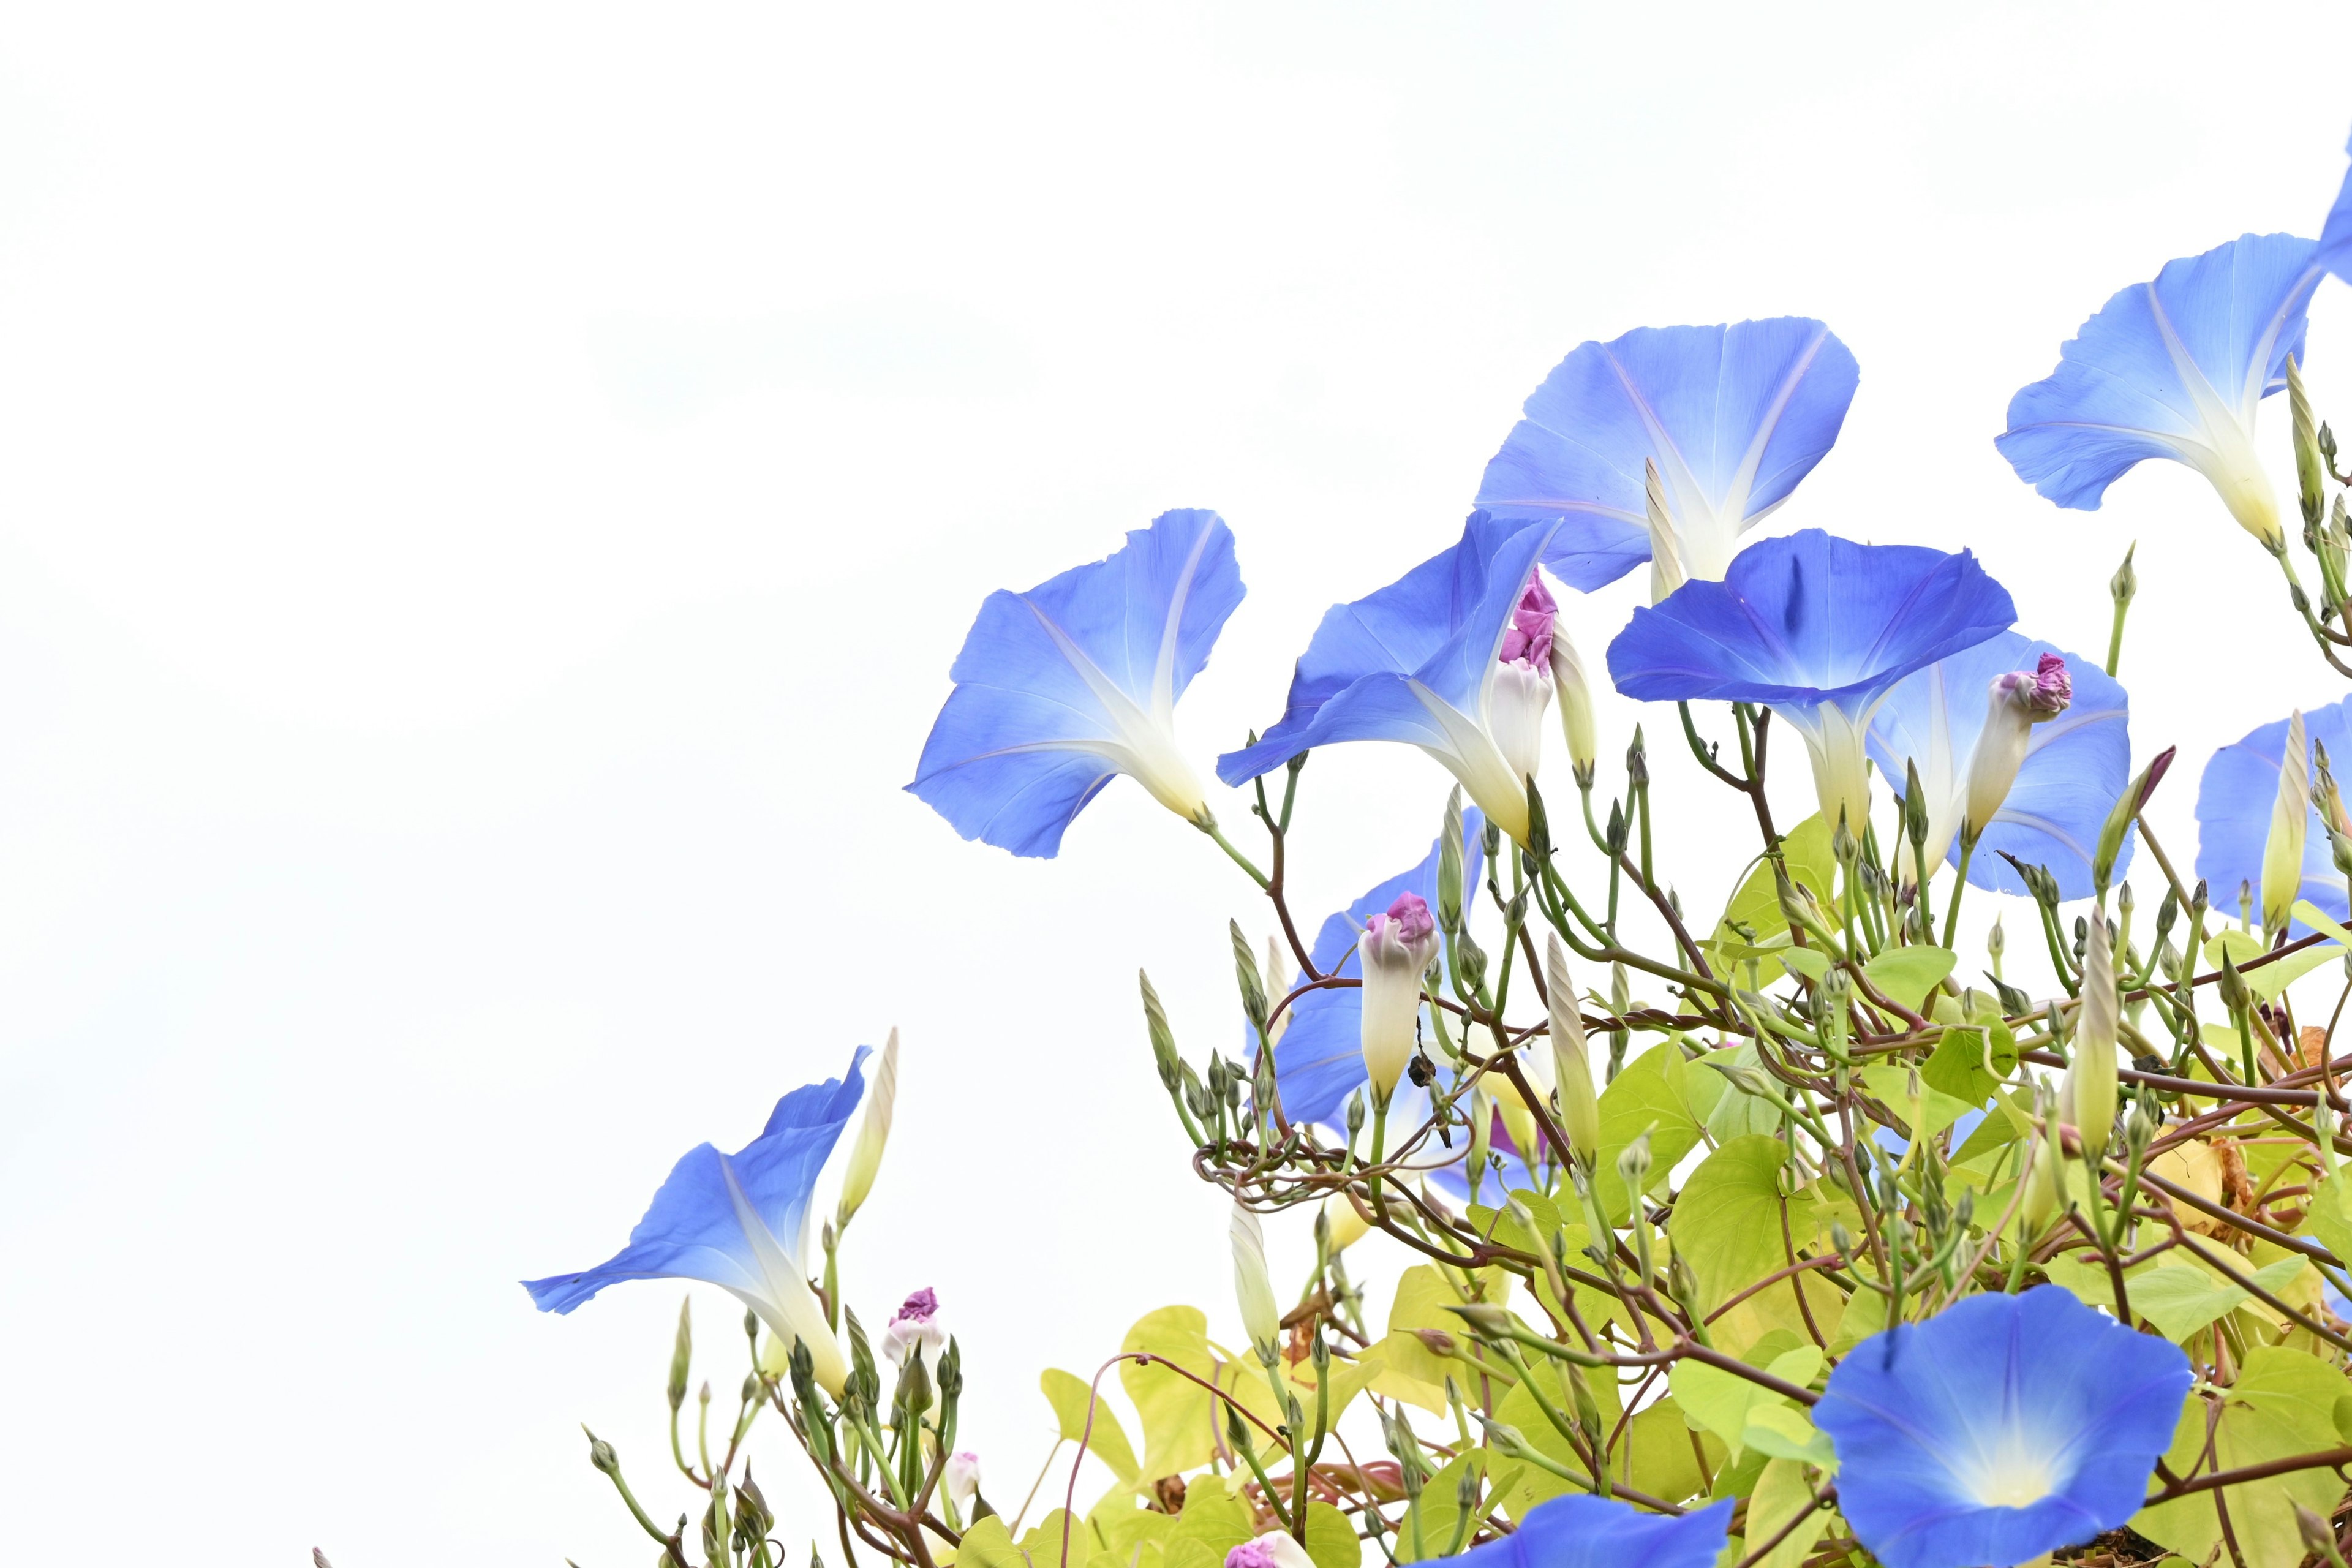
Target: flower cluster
<point>1784,1237</point>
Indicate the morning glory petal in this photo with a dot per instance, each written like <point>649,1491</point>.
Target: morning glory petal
<point>1320,1060</point>
<point>2234,801</point>
<point>1809,618</point>
<point>2075,765</point>
<point>694,1228</point>
<point>2336,235</point>
<point>2001,1429</point>
<point>1733,417</point>
<point>2176,368</point>
<point>1578,1532</point>
<point>1061,688</point>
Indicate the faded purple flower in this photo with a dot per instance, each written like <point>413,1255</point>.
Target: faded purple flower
<point>914,1325</point>
<point>1528,640</point>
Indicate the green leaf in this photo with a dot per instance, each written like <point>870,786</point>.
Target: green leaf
<point>1659,1093</point>
<point>1656,1456</point>
<point>1177,1430</point>
<point>2272,978</point>
<point>1432,1518</point>
<point>2330,1216</point>
<point>2319,920</point>
<point>1070,1399</point>
<point>1937,1109</point>
<point>1726,1221</point>
<point>2181,1298</point>
<point>2283,1405</point>
<point>1780,1494</point>
<point>1042,1547</point>
<point>1330,1539</point>
<point>1724,1402</point>
<point>1786,1433</point>
<point>1805,850</point>
<point>988,1544</point>
<point>1810,961</point>
<point>1905,974</point>
<point>1970,1063</point>
<point>1738,1114</point>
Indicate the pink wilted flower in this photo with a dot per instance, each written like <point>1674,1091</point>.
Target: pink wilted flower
<point>1528,639</point>
<point>1273,1550</point>
<point>916,1323</point>
<point>1395,950</point>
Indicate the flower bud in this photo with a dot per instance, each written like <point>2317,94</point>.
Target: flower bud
<point>2091,1081</point>
<point>1245,977</point>
<point>2128,806</point>
<point>2290,825</point>
<point>1579,1103</point>
<point>866,1155</point>
<point>2014,703</point>
<point>1996,943</point>
<point>681,1358</point>
<point>1914,806</point>
<point>1633,1168</point>
<point>1437,1341</point>
<point>914,1325</point>
<point>1164,1039</point>
<point>2125,584</point>
<point>1449,864</point>
<point>1568,679</point>
<point>601,1454</point>
<point>1395,953</point>
<point>1251,1287</point>
<point>2310,489</point>
<point>1485,1319</point>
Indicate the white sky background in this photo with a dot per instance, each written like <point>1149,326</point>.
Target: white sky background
<point>489,497</point>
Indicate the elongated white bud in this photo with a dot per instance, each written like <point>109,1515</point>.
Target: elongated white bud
<point>1575,694</point>
<point>2091,1081</point>
<point>1579,1104</point>
<point>2014,703</point>
<point>873,1134</point>
<point>2290,826</point>
<point>1394,951</point>
<point>1251,1287</point>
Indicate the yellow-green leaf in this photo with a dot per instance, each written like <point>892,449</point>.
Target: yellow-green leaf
<point>1787,1433</point>
<point>1071,1400</point>
<point>1781,1494</point>
<point>2181,1298</point>
<point>1662,1095</point>
<point>1722,1402</point>
<point>1178,1430</point>
<point>1812,863</point>
<point>2284,1404</point>
<point>1905,974</point>
<point>1726,1221</point>
<point>2275,976</point>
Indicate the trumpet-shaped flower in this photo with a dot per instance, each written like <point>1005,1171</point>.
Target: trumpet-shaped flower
<point>1319,1060</point>
<point>1732,417</point>
<point>1819,629</point>
<point>2176,369</point>
<point>1454,657</point>
<point>2002,1428</point>
<point>1578,1532</point>
<point>1996,740</point>
<point>740,1221</point>
<point>1062,688</point>
<point>2237,802</point>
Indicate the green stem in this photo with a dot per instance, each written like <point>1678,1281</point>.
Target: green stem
<point>1208,824</point>
<point>1952,914</point>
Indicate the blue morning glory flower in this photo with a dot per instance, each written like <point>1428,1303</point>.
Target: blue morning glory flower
<point>1061,688</point>
<point>1457,657</point>
<point>2002,1428</point>
<point>1733,417</point>
<point>1988,722</point>
<point>2235,800</point>
<point>1582,1532</point>
<point>740,1221</point>
<point>2176,369</point>
<point>1819,629</point>
<point>2336,235</point>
